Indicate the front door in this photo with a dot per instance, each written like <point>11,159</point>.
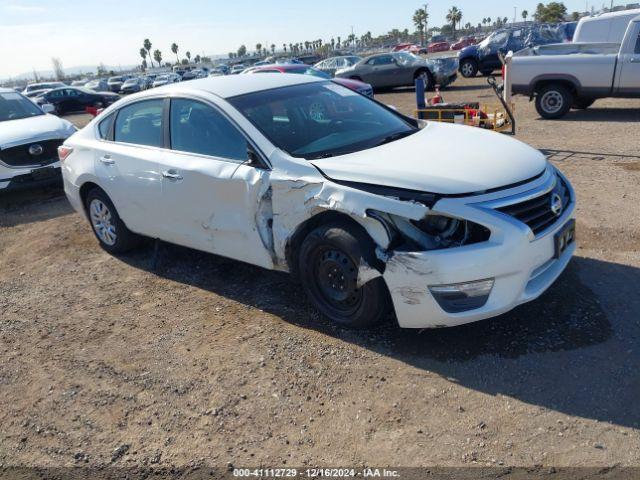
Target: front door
<point>212,200</point>
<point>629,65</point>
<point>127,164</point>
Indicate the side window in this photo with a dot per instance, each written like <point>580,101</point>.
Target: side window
<point>140,123</point>
<point>104,126</point>
<point>199,128</point>
<point>637,51</point>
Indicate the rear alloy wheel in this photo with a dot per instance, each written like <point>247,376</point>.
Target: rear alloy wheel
<point>553,101</point>
<point>329,262</point>
<point>107,226</point>
<point>469,68</point>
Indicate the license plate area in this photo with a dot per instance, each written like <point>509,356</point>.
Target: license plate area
<point>565,237</point>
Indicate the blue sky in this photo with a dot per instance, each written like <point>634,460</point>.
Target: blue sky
<point>86,32</point>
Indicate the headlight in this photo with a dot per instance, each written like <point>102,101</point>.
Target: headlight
<point>449,232</point>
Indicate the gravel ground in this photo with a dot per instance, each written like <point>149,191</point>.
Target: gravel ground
<point>205,361</point>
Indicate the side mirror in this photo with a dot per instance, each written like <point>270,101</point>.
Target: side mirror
<point>48,108</point>
<point>253,159</point>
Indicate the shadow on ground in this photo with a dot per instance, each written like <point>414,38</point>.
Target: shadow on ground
<point>559,352</point>
<point>595,114</point>
<point>28,206</point>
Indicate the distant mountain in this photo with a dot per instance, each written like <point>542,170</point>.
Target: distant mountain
<point>70,71</point>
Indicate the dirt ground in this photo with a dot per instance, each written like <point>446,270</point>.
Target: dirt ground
<point>206,361</point>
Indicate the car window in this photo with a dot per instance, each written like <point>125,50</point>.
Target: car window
<point>105,126</point>
<point>637,51</point>
<point>140,123</point>
<point>56,94</point>
<point>71,92</point>
<point>320,119</point>
<point>382,60</point>
<point>199,128</point>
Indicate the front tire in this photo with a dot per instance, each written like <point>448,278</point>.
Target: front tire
<point>553,101</point>
<point>469,68</point>
<point>111,232</point>
<point>429,83</point>
<point>329,262</point>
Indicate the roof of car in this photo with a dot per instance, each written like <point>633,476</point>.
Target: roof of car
<point>232,86</point>
<point>7,90</point>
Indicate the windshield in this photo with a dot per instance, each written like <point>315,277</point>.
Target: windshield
<point>321,119</point>
<point>14,106</point>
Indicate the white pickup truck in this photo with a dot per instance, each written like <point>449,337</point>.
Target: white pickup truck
<point>574,75</point>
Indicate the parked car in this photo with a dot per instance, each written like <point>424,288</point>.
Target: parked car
<point>295,173</point>
<point>463,42</point>
<point>566,76</point>
<point>98,85</point>
<point>237,69</point>
<point>79,83</point>
<point>115,83</point>
<point>604,27</point>
<point>75,99</point>
<point>166,79</point>
<point>333,64</point>
<point>36,93</point>
<point>29,140</point>
<point>407,47</point>
<point>42,86</point>
<point>193,74</point>
<point>485,57</point>
<point>132,85</point>
<point>438,47</point>
<point>355,85</point>
<point>400,69</point>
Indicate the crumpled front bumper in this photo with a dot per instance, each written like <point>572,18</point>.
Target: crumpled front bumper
<point>522,266</point>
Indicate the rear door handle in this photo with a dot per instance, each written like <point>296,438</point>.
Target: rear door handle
<point>171,175</point>
<point>107,160</point>
<point>635,60</point>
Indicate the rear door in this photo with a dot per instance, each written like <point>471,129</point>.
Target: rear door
<point>127,163</point>
<point>628,84</point>
<point>212,199</point>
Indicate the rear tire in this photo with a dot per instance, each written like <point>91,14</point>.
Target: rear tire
<point>468,68</point>
<point>582,103</point>
<point>111,232</point>
<point>553,101</point>
<point>329,262</point>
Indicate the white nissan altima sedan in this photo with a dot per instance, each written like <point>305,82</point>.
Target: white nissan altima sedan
<point>370,209</point>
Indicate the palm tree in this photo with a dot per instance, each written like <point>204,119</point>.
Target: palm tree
<point>420,18</point>
<point>188,55</point>
<point>197,59</point>
<point>157,56</point>
<point>454,17</point>
<point>258,48</point>
<point>284,47</point>
<point>273,49</point>
<point>147,47</point>
<point>525,14</point>
<point>174,49</point>
<point>143,54</point>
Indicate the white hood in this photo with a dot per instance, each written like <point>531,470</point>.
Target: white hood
<point>33,129</point>
<point>441,158</point>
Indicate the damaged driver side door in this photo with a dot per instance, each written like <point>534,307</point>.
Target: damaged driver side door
<point>214,198</point>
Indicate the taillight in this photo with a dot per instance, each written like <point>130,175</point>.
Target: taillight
<point>64,152</point>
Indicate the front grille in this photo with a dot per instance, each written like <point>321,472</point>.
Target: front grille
<point>537,213</point>
<point>19,156</point>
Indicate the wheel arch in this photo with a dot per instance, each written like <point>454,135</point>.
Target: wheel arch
<point>568,81</point>
<point>292,246</point>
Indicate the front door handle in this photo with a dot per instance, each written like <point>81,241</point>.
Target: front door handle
<point>171,175</point>
<point>107,160</point>
<point>635,60</point>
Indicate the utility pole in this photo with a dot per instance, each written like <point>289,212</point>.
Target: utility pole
<point>426,22</point>
<point>515,11</point>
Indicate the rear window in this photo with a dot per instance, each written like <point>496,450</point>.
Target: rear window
<point>104,127</point>
<point>140,124</point>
